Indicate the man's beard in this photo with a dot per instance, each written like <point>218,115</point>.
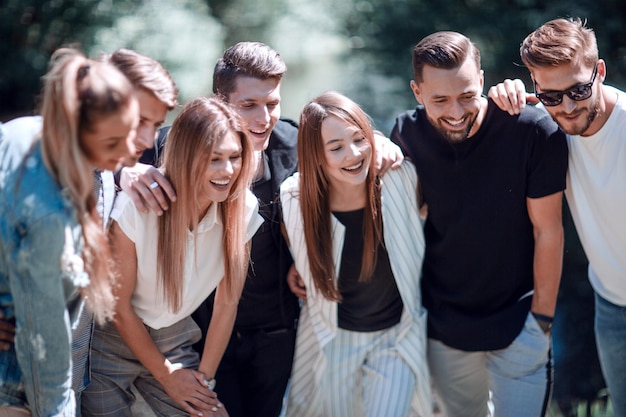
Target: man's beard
<point>453,136</point>
<point>594,111</point>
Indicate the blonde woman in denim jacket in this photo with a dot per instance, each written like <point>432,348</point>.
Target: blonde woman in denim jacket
<point>50,229</point>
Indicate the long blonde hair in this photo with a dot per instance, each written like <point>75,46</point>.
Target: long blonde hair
<point>188,150</point>
<point>314,191</point>
<point>78,92</point>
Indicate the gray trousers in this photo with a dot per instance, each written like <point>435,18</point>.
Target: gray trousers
<point>114,368</point>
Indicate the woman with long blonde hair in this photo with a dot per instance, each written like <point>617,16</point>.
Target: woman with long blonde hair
<point>169,265</point>
<point>358,244</point>
<point>53,249</point>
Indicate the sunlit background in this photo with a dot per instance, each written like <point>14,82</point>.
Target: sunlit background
<point>358,47</point>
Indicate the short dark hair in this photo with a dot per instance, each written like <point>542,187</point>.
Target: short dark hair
<point>250,59</point>
<point>445,50</point>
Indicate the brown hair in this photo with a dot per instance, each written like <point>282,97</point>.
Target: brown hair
<point>246,59</point>
<point>560,41</point>
<point>444,50</point>
<point>147,73</point>
<point>189,146</point>
<point>314,191</point>
<point>77,93</point>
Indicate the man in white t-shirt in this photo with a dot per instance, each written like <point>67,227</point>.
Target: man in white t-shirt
<point>568,76</point>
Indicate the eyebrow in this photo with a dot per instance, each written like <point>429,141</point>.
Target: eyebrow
<point>563,90</point>
<point>240,149</point>
<point>357,132</point>
<point>334,140</point>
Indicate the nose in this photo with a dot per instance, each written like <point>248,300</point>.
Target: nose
<point>568,104</point>
<point>130,148</point>
<point>457,110</point>
<point>227,167</point>
<point>355,150</point>
<point>145,137</point>
<point>263,115</point>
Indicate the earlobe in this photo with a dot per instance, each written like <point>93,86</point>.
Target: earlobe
<point>416,90</point>
<point>602,70</point>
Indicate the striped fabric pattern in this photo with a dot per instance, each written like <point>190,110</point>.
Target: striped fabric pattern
<point>404,240</point>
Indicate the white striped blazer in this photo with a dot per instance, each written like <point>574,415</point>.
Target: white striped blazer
<point>404,240</point>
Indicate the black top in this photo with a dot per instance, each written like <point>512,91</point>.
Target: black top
<point>366,306</point>
<point>478,265</point>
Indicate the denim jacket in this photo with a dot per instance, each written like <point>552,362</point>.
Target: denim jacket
<point>41,269</point>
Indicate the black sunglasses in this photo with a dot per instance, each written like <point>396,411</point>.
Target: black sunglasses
<point>577,93</point>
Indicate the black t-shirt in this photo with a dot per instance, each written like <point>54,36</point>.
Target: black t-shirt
<point>478,265</point>
<point>366,306</point>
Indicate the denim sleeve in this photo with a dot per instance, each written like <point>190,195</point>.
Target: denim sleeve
<point>40,291</point>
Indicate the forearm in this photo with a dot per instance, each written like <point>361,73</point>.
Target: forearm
<point>548,261</point>
<point>218,335</point>
<point>132,330</point>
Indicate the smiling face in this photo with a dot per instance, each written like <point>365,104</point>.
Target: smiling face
<point>111,139</point>
<point>152,112</point>
<point>348,153</point>
<point>258,102</point>
<point>222,170</point>
<point>452,99</point>
<point>574,117</point>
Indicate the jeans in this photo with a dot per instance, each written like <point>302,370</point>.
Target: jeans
<point>518,378</point>
<point>610,327</point>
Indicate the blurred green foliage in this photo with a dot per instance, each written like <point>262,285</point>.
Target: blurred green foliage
<point>32,29</point>
<point>378,36</point>
<point>383,33</point>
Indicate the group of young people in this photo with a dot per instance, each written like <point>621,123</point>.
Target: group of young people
<point>440,270</point>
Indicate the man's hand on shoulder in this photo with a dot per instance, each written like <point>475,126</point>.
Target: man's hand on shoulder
<point>511,96</point>
<point>147,187</point>
<point>388,154</point>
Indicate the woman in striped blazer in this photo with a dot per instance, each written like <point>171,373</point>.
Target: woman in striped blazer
<point>358,245</point>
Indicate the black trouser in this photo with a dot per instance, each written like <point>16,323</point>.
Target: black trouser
<point>253,374</point>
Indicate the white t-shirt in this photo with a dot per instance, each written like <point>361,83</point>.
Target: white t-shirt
<point>203,272</point>
<point>596,194</point>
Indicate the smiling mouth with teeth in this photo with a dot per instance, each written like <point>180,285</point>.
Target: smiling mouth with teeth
<point>220,182</point>
<point>354,167</point>
<point>456,124</point>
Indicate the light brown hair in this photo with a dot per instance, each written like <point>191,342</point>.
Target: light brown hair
<point>560,41</point>
<point>147,73</point>
<point>314,191</point>
<point>77,93</point>
<point>189,146</point>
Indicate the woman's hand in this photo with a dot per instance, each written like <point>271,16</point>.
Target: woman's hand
<point>296,285</point>
<point>187,388</point>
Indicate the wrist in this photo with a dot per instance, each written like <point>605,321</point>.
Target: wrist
<point>210,383</point>
<point>545,322</point>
